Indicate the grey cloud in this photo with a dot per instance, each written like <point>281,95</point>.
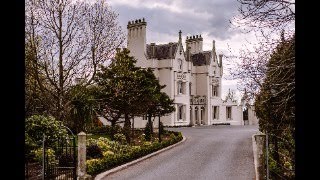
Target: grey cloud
<point>167,22</point>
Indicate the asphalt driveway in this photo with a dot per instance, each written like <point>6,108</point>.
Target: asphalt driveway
<point>210,152</point>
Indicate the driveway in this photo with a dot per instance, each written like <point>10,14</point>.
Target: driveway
<point>210,152</point>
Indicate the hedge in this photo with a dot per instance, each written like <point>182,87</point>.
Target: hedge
<point>96,166</point>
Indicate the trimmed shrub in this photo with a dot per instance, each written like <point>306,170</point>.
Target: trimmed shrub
<point>121,154</point>
<point>121,138</point>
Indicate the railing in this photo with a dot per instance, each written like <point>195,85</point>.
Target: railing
<point>33,170</point>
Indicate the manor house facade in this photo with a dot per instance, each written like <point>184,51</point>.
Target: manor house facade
<point>192,77</point>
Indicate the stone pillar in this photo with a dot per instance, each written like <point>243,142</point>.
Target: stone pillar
<point>259,147</point>
<point>81,172</point>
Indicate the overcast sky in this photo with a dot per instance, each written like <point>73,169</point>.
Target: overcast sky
<point>165,18</point>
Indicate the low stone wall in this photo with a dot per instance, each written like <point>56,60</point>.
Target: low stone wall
<point>259,146</point>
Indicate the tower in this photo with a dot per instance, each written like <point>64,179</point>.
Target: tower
<point>136,41</point>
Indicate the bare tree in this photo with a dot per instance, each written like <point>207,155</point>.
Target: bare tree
<point>267,19</point>
<point>270,14</point>
<point>69,40</point>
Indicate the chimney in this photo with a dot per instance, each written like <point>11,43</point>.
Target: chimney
<point>170,50</point>
<point>153,49</point>
<point>136,39</point>
<point>195,42</point>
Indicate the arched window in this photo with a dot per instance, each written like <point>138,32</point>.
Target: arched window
<point>181,114</point>
<point>180,89</point>
<point>202,114</point>
<point>196,113</point>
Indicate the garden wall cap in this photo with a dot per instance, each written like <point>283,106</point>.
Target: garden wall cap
<point>82,133</point>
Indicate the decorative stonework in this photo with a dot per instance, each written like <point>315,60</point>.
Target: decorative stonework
<point>181,76</point>
<point>198,100</point>
<point>214,81</point>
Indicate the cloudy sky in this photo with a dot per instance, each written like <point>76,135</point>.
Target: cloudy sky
<point>165,18</point>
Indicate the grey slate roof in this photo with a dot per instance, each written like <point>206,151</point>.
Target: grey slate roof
<point>162,51</point>
<point>201,59</point>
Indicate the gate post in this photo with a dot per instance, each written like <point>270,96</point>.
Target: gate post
<point>259,148</point>
<point>81,173</point>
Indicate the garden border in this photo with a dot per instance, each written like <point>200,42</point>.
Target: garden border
<point>116,169</point>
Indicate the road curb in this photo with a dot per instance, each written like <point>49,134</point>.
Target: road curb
<point>116,169</point>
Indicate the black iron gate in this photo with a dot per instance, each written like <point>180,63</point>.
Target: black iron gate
<point>63,164</point>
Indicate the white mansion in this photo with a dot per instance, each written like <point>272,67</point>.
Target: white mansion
<point>192,78</point>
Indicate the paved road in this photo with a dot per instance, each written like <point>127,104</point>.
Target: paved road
<point>210,152</point>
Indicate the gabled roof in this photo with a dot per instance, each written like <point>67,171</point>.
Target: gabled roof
<point>201,58</point>
<point>162,51</point>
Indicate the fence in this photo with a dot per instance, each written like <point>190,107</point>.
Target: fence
<point>60,161</point>
<point>63,163</point>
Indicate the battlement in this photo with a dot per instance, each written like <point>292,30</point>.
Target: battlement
<point>194,38</point>
<point>136,23</point>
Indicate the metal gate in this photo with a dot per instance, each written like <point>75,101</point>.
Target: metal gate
<point>64,164</point>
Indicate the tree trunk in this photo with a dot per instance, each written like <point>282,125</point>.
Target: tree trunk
<point>151,124</point>
<point>113,126</point>
<point>127,127</point>
<point>133,127</point>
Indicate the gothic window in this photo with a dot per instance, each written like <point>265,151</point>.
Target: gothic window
<point>229,112</point>
<point>190,85</point>
<point>179,87</point>
<point>180,112</point>
<point>196,113</point>
<point>214,90</point>
<point>202,114</point>
<point>215,112</point>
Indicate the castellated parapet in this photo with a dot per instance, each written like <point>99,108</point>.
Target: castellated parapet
<point>136,23</point>
<point>195,42</point>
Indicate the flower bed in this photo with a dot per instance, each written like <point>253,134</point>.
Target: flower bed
<point>115,154</point>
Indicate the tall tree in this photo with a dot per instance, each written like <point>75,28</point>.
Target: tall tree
<point>121,92</point>
<point>69,39</point>
<point>275,105</point>
<point>127,91</point>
